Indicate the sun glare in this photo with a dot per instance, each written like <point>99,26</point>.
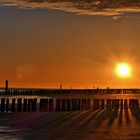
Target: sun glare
<point>123,70</point>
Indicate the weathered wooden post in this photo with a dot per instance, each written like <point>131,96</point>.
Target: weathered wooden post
<point>136,104</point>
<point>50,105</point>
<point>2,104</point>
<point>13,105</point>
<point>74,105</point>
<point>68,105</point>
<point>102,103</point>
<point>32,105</point>
<point>63,105</point>
<point>29,105</point>
<point>34,108</point>
<point>125,104</point>
<point>58,105</point>
<point>96,104</point>
<point>24,105</point>
<point>121,104</point>
<point>43,105</point>
<point>7,105</point>
<point>19,105</point>
<point>83,104</point>
<point>87,104</point>
<point>79,104</point>
<point>108,103</point>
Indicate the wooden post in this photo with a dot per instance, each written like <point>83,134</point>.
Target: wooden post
<point>63,105</point>
<point>108,104</point>
<point>68,105</point>
<point>102,103</point>
<point>7,105</point>
<point>43,105</point>
<point>24,105</point>
<point>19,105</point>
<point>13,105</point>
<point>50,105</point>
<point>3,105</point>
<point>96,104</point>
<point>58,105</point>
<point>32,104</point>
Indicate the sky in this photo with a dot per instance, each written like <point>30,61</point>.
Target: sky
<point>77,44</point>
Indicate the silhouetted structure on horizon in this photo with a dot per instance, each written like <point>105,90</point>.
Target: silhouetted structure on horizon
<point>32,100</point>
<point>39,91</point>
<point>6,86</point>
<point>60,90</point>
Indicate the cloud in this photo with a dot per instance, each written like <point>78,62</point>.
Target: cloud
<point>88,7</point>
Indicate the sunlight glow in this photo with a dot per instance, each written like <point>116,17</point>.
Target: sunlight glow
<point>123,70</point>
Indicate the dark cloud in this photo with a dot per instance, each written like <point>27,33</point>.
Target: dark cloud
<point>90,7</point>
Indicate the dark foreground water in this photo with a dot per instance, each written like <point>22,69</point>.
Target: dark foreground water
<point>117,124</point>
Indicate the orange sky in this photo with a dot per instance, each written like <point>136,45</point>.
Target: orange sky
<point>41,48</point>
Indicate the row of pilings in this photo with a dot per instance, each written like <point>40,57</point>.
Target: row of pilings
<point>62,105</point>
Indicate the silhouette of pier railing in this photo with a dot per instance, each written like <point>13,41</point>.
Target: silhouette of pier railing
<point>37,91</point>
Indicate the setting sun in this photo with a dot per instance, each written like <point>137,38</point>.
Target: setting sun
<point>123,70</point>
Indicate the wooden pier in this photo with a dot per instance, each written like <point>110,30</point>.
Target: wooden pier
<point>60,100</point>
<point>61,104</point>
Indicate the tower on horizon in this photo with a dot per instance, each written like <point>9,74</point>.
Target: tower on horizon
<point>6,86</point>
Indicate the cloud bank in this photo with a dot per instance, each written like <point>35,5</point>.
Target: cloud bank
<point>88,7</point>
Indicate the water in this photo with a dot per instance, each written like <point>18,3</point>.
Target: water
<point>102,124</point>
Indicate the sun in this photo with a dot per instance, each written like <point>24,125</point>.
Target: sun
<point>123,70</point>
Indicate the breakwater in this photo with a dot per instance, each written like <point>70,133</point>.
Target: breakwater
<point>66,103</point>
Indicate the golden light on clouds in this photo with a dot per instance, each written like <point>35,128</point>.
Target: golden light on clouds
<point>123,70</point>
<point>87,7</point>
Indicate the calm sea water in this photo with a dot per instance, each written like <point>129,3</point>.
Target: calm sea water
<point>102,124</point>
